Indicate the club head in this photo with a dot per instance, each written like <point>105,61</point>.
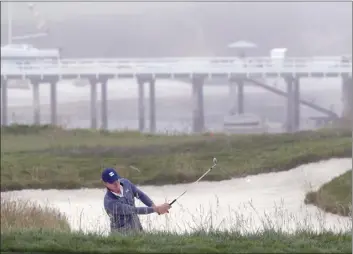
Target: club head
<point>214,161</point>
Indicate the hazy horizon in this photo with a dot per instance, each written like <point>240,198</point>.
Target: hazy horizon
<point>184,29</point>
<point>122,29</point>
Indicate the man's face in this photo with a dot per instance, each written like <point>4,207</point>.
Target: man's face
<point>114,187</point>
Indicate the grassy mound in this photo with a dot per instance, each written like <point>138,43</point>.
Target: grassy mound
<point>267,242</point>
<point>18,215</point>
<point>334,196</point>
<point>47,157</point>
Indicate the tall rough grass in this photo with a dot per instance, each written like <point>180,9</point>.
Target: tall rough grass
<point>27,227</point>
<point>206,238</point>
<point>334,196</point>
<point>22,214</point>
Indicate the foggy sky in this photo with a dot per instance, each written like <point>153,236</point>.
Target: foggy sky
<point>187,29</point>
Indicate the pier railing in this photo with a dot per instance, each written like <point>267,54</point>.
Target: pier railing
<point>221,65</point>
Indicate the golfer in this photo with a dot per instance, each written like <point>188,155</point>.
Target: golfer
<point>119,203</point>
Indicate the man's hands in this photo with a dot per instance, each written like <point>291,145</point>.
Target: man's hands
<point>161,209</point>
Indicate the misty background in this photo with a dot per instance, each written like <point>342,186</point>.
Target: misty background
<point>161,29</point>
<point>181,29</point>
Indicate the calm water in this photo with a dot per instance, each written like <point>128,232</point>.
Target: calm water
<point>173,101</point>
<point>246,204</point>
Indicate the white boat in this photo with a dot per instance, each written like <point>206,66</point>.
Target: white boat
<point>20,56</point>
<point>27,52</point>
<point>244,124</point>
<point>15,57</point>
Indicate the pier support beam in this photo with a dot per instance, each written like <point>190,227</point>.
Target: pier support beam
<point>4,102</point>
<point>347,99</point>
<point>296,103</point>
<point>289,115</point>
<point>141,105</point>
<point>232,97</point>
<point>198,121</point>
<point>240,98</point>
<point>53,102</point>
<point>293,104</point>
<point>104,104</point>
<point>152,106</point>
<point>93,85</point>
<point>36,101</point>
<point>236,94</point>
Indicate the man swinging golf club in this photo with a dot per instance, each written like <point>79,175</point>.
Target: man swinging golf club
<point>119,203</point>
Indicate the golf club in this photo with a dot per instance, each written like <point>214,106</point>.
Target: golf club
<point>214,164</point>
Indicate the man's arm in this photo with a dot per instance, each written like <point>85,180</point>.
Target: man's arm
<point>147,201</point>
<point>118,208</point>
<point>141,195</point>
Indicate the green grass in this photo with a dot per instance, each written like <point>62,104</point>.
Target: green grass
<point>334,196</point>
<point>270,242</point>
<point>46,157</point>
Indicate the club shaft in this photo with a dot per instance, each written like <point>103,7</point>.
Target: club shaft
<point>193,183</point>
<point>203,175</point>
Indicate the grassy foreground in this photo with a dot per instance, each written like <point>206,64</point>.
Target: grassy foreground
<point>267,242</point>
<point>47,157</point>
<point>27,227</point>
<point>334,196</point>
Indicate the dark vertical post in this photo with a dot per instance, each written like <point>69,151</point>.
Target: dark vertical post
<point>53,101</point>
<point>36,101</point>
<point>198,107</point>
<point>141,104</point>
<point>347,99</point>
<point>240,95</point>
<point>104,104</point>
<point>232,97</point>
<point>296,103</point>
<point>93,84</point>
<point>289,122</point>
<point>152,106</point>
<point>4,102</point>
